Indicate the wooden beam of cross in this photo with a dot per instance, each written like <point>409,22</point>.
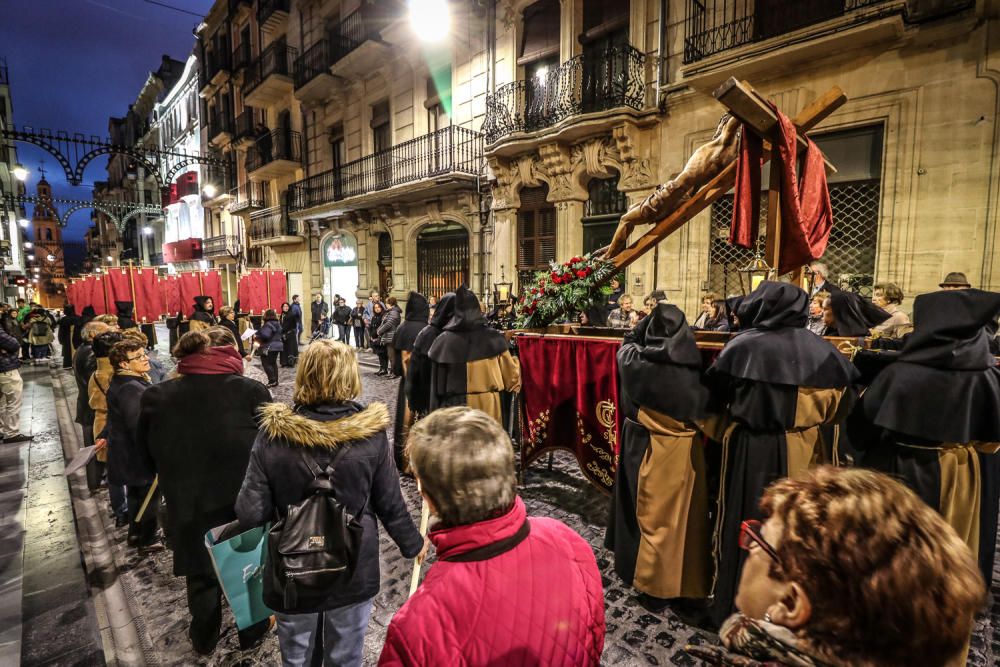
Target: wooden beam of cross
<point>746,99</point>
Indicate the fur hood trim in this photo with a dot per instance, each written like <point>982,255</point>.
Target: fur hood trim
<point>280,422</point>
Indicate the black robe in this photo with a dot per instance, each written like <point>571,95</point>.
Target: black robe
<point>417,313</point>
<point>418,375</point>
<point>773,385</point>
<point>854,315</point>
<point>472,363</point>
<point>68,334</point>
<point>126,310</point>
<point>931,417</point>
<point>659,520</point>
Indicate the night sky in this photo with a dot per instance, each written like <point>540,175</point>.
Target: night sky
<point>75,63</point>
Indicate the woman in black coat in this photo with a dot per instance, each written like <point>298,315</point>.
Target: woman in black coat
<point>68,334</point>
<point>289,336</point>
<point>198,430</point>
<point>227,319</point>
<point>324,420</point>
<point>378,347</point>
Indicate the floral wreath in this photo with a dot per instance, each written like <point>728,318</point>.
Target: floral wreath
<point>565,288</point>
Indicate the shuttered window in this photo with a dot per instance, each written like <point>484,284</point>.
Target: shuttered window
<point>540,35</point>
<point>536,232</point>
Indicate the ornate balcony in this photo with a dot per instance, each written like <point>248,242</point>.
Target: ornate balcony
<point>275,154</point>
<point>272,14</point>
<point>220,130</point>
<point>313,80</point>
<point>218,66</point>
<point>225,246</point>
<point>356,43</point>
<point>242,57</point>
<point>245,128</point>
<point>272,226</point>
<point>419,164</point>
<point>247,198</point>
<point>269,78</point>
<point>593,81</point>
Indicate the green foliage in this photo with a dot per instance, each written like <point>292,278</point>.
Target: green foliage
<point>565,289</point>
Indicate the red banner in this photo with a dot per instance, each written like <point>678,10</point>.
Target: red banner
<point>277,292</point>
<point>569,390</point>
<point>95,291</point>
<point>211,285</point>
<point>252,293</point>
<point>189,286</point>
<point>149,304</point>
<point>118,286</point>
<point>170,296</point>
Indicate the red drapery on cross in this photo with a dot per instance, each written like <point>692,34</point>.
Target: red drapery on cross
<point>170,295</point>
<point>806,213</point>
<point>252,293</point>
<point>189,286</point>
<point>118,286</point>
<point>149,303</point>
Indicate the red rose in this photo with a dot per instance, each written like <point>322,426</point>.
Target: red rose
<point>581,274</point>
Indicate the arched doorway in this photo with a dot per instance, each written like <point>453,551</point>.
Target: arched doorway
<point>442,259</point>
<point>340,267</point>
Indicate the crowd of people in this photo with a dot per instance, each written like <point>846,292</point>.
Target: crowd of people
<point>816,509</point>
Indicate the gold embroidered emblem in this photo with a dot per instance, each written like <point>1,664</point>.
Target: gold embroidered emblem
<point>606,413</point>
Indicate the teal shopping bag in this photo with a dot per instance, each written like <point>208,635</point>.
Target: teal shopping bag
<point>239,563</point>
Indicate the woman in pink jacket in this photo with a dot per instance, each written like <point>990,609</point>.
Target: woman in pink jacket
<point>506,589</point>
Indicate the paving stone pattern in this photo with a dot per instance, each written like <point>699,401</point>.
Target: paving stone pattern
<point>634,636</point>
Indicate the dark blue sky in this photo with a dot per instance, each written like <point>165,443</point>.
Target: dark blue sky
<point>74,63</point>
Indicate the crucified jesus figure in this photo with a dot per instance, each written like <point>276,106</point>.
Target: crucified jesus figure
<point>704,165</point>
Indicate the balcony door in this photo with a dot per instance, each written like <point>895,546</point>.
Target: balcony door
<point>604,67</point>
<point>442,259</point>
<point>536,234</point>
<point>539,56</point>
<point>778,17</point>
<point>382,144</point>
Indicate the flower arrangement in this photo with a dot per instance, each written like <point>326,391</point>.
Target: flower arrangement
<point>565,288</point>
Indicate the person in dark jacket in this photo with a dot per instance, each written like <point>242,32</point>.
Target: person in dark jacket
<point>417,313</point>
<point>375,322</point>
<point>87,314</point>
<point>271,345</point>
<point>387,336</point>
<point>358,324</point>
<point>67,334</point>
<point>11,390</point>
<point>126,465</point>
<point>296,309</point>
<point>126,312</point>
<point>342,318</point>
<point>84,365</point>
<point>227,319</point>
<point>324,419</point>
<point>203,315</point>
<point>290,322</point>
<point>418,375</point>
<point>319,309</point>
<point>198,429</point>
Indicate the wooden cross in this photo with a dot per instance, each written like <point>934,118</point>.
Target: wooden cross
<point>750,107</point>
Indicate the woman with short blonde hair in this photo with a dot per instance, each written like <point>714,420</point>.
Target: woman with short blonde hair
<point>328,374</point>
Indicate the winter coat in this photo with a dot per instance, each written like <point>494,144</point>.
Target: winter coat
<point>200,318</point>
<point>235,330</point>
<point>289,324</point>
<point>97,392</point>
<point>358,316</point>
<point>538,601</point>
<point>10,347</point>
<point>11,326</point>
<point>269,336</point>
<point>40,330</point>
<point>318,311</point>
<point>390,322</point>
<point>84,365</point>
<point>366,477</point>
<point>198,431</point>
<point>68,329</point>
<point>342,315</point>
<point>373,327</point>
<point>126,465</point>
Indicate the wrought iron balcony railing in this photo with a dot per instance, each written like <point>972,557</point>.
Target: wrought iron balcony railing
<point>314,61</point>
<point>268,7</point>
<point>218,124</point>
<point>272,223</point>
<point>216,61</point>
<point>275,59</point>
<point>247,196</point>
<point>221,246</point>
<point>280,144</point>
<point>596,80</point>
<point>449,150</point>
<point>245,124</point>
<point>242,56</point>
<point>713,26</point>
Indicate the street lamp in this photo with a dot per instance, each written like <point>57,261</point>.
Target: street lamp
<point>20,173</point>
<point>31,258</point>
<point>110,258</point>
<point>51,258</point>
<point>23,222</point>
<point>28,245</point>
<point>209,190</point>
<point>430,19</point>
<point>147,230</point>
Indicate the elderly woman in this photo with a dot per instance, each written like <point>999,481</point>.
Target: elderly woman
<point>850,568</point>
<point>326,428</point>
<point>487,547</point>
<point>888,297</point>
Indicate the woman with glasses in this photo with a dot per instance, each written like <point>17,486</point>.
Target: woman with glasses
<point>774,385</point>
<point>849,567</point>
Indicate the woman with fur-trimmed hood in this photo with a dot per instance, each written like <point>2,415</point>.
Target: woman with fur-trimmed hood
<point>323,420</point>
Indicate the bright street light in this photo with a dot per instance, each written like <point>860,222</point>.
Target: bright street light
<point>27,245</point>
<point>110,258</point>
<point>209,190</point>
<point>147,230</point>
<point>31,258</point>
<point>20,173</point>
<point>23,222</point>
<point>430,19</point>
<point>51,258</point>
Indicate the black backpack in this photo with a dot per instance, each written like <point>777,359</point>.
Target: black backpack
<point>313,549</point>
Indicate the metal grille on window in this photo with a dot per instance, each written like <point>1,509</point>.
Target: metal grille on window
<point>850,254</point>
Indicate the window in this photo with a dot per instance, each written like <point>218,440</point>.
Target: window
<point>605,205</point>
<point>438,103</point>
<point>536,233</point>
<point>381,143</point>
<point>540,34</point>
<point>48,234</point>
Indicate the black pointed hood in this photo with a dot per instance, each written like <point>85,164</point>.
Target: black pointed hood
<point>88,311</point>
<point>69,310</point>
<point>950,329</point>
<point>466,337</point>
<point>773,305</point>
<point>417,313</point>
<point>665,337</point>
<point>854,315</point>
<point>125,308</point>
<point>442,315</point>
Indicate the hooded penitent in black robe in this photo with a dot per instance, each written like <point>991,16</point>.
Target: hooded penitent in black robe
<point>774,384</point>
<point>68,334</point>
<point>417,313</point>
<point>854,315</point>
<point>659,520</point>
<point>202,318</point>
<point>931,418</point>
<point>472,363</point>
<point>418,375</point>
<point>125,312</point>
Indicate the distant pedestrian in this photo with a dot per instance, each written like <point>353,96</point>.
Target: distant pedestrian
<point>290,323</point>
<point>227,319</point>
<point>296,309</point>
<point>387,336</point>
<point>342,318</point>
<point>375,322</point>
<point>327,429</point>
<point>67,332</point>
<point>358,324</point>
<point>11,390</point>
<point>204,313</point>
<point>271,345</point>
<point>319,310</point>
<point>40,335</point>
<point>198,429</point>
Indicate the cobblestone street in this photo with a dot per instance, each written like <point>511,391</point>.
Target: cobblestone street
<point>634,636</point>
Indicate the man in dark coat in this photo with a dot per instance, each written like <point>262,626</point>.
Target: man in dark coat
<point>417,313</point>
<point>659,520</point>
<point>67,334</point>
<point>198,430</point>
<point>126,464</point>
<point>472,363</point>
<point>930,418</point>
<point>774,385</point>
<point>203,315</point>
<point>418,375</point>
<point>319,309</point>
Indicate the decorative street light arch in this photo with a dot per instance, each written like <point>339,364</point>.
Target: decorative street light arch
<point>120,213</point>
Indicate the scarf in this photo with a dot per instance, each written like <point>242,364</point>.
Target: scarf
<point>753,643</point>
<point>213,361</point>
